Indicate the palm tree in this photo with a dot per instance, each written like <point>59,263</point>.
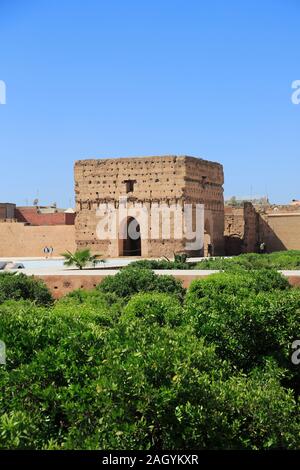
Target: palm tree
<point>80,258</point>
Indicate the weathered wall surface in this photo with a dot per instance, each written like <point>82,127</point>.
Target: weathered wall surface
<point>63,285</point>
<point>241,229</point>
<point>247,227</point>
<point>17,239</point>
<point>234,231</point>
<point>156,180</point>
<point>280,231</point>
<point>204,184</point>
<point>251,236</point>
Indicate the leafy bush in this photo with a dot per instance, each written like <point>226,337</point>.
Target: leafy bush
<point>155,308</point>
<point>131,280</point>
<point>18,286</point>
<point>237,283</point>
<point>278,260</point>
<point>92,297</point>
<point>72,382</point>
<point>178,263</point>
<point>127,366</point>
<point>245,316</point>
<point>243,412</point>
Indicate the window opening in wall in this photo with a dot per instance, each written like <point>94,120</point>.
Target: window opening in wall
<point>129,185</point>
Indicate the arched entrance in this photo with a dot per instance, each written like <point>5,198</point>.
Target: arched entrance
<point>130,240</point>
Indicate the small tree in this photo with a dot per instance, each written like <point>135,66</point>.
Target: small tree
<point>80,258</point>
<point>233,201</point>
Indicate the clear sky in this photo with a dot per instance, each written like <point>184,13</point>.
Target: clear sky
<point>92,78</point>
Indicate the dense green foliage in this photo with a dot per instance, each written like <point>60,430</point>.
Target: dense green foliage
<point>250,261</point>
<point>18,286</point>
<point>248,316</point>
<point>278,260</point>
<point>155,308</point>
<point>238,283</point>
<point>179,262</point>
<point>132,280</point>
<point>130,366</point>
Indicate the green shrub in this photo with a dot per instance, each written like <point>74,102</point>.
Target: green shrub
<point>92,297</point>
<point>178,263</point>
<point>131,280</point>
<point>278,260</point>
<point>77,384</point>
<point>237,283</point>
<point>243,412</point>
<point>126,366</point>
<point>155,308</point>
<point>18,286</point>
<point>170,285</point>
<point>246,324</point>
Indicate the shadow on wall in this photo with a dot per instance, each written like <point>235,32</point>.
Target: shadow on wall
<point>267,235</point>
<point>233,245</point>
<point>246,229</point>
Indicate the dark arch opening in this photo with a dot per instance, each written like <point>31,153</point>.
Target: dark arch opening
<point>131,244</point>
<point>208,247</point>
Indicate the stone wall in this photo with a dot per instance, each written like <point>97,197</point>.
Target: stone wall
<point>241,229</point>
<point>246,227</point>
<point>61,285</point>
<point>147,181</point>
<point>204,184</point>
<point>19,240</point>
<point>280,230</point>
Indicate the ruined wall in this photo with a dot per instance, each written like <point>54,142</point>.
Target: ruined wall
<point>147,180</point>
<point>241,229</point>
<point>252,233</point>
<point>204,184</point>
<point>247,227</point>
<point>19,240</point>
<point>234,230</point>
<point>280,231</point>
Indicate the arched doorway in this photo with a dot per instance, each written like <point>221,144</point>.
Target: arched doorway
<point>130,241</point>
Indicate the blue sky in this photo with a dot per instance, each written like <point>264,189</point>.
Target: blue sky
<point>127,78</point>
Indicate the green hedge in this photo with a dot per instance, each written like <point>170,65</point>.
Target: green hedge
<point>155,308</point>
<point>247,316</point>
<point>238,283</point>
<point>75,382</point>
<point>162,264</point>
<point>131,280</point>
<point>129,366</point>
<point>18,286</point>
<point>278,260</point>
